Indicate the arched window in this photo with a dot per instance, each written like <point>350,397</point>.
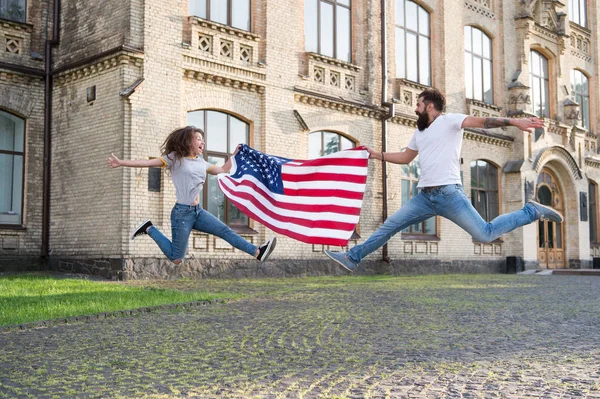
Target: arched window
<point>222,133</point>
<point>593,208</point>
<point>323,143</point>
<point>327,28</point>
<point>578,12</point>
<point>539,84</point>
<point>410,178</point>
<point>13,10</point>
<point>478,65</point>
<point>580,93</point>
<point>413,42</point>
<point>235,13</point>
<point>12,157</point>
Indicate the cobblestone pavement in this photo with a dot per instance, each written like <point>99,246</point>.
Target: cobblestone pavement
<point>460,336</point>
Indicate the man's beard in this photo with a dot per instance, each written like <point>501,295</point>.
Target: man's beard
<point>423,121</point>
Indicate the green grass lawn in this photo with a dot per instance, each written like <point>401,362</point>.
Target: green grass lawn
<point>30,298</point>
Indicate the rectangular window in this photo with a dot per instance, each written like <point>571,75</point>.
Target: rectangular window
<point>592,206</point>
<point>234,13</point>
<point>327,28</point>
<point>578,12</point>
<point>12,159</point>
<point>413,42</point>
<point>13,10</point>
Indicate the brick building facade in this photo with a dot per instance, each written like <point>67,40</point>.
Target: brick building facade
<point>297,79</point>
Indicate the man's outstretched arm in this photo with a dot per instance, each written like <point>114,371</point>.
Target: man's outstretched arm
<point>403,157</point>
<point>491,123</point>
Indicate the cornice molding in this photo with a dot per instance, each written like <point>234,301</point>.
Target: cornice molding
<point>234,83</point>
<point>485,137</point>
<point>103,64</point>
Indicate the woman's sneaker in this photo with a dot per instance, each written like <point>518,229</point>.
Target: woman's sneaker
<point>264,251</point>
<point>547,213</point>
<point>140,229</point>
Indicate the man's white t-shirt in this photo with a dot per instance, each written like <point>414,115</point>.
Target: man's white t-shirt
<point>439,150</point>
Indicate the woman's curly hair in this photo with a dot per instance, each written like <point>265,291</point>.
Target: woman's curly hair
<point>179,142</point>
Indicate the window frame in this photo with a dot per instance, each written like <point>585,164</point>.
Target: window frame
<point>543,79</point>
<point>239,228</point>
<point>410,234</point>
<point>472,55</point>
<point>229,14</point>
<point>21,225</point>
<point>335,4</point>
<point>5,17</point>
<point>403,28</point>
<point>322,133</point>
<point>580,4</point>
<point>576,95</point>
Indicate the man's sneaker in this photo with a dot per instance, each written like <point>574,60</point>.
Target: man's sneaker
<point>547,213</point>
<point>341,259</point>
<point>264,251</point>
<point>140,229</point>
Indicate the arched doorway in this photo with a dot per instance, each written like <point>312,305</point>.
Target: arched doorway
<point>551,240</point>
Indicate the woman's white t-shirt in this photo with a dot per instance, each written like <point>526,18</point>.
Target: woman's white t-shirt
<point>439,150</point>
<point>188,176</point>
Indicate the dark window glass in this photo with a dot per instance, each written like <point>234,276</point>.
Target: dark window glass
<point>13,10</point>
<point>327,28</point>
<point>484,189</point>
<point>324,143</point>
<point>12,155</point>
<point>222,134</point>
<point>413,42</point>
<point>235,13</point>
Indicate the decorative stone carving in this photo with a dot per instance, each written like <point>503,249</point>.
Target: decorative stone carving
<point>519,100</point>
<point>572,112</point>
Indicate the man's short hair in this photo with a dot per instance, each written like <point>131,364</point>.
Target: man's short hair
<point>434,97</point>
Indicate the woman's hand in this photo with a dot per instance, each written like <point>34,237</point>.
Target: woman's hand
<point>113,161</point>
<point>372,153</point>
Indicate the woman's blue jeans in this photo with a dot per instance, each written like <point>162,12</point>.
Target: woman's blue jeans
<point>451,202</point>
<point>184,218</point>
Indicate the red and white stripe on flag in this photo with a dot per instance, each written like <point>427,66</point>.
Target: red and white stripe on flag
<point>321,199</point>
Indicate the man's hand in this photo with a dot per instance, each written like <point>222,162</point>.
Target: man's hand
<point>113,161</point>
<point>529,124</point>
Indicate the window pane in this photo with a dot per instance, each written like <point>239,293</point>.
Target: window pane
<point>493,205</point>
<point>197,8</point>
<point>343,34</point>
<point>196,118</point>
<point>215,197</point>
<point>468,75</point>
<point>326,29</point>
<point>411,16</point>
<point>12,131</point>
<point>240,10</point>
<point>468,38</point>
<point>535,63</point>
<point>477,42</point>
<point>344,2</point>
<point>236,217</point>
<point>331,143</point>
<point>477,79</point>
<point>405,191</point>
<point>423,22</point>
<point>400,61</point>
<point>430,226</point>
<point>13,10</point>
<point>11,188</point>
<point>486,46</point>
<point>314,145</point>
<point>535,96</point>
<point>310,26</point>
<point>400,12</point>
<point>546,99</point>
<point>585,112</point>
<point>424,77</point>
<point>575,11</point>
<point>404,169</point>
<point>238,133</point>
<point>216,131</point>
<point>411,50</point>
<point>583,14</point>
<point>346,144</point>
<point>488,94</point>
<point>218,11</point>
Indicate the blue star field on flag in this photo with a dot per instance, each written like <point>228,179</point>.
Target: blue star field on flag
<point>265,168</point>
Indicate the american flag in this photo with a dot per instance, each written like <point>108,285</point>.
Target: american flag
<point>316,201</point>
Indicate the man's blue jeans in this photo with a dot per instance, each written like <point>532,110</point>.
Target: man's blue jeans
<point>184,218</point>
<point>451,202</point>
